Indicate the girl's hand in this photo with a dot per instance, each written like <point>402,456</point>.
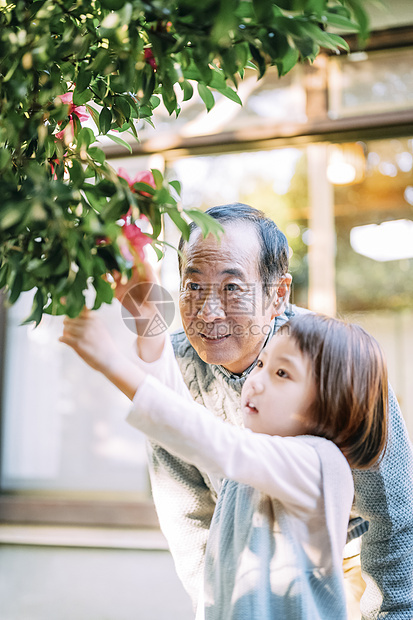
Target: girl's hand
<point>88,336</point>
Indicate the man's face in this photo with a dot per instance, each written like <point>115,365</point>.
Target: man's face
<point>225,313</point>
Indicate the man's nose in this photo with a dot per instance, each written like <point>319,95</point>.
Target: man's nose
<point>211,308</point>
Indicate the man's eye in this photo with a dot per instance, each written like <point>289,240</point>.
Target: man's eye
<point>193,286</point>
<point>231,287</point>
<point>281,373</point>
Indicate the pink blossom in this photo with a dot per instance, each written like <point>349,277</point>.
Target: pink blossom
<point>79,110</point>
<point>68,131</point>
<point>150,58</point>
<point>145,176</point>
<point>136,240</point>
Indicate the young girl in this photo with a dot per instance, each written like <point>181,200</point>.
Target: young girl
<point>314,406</point>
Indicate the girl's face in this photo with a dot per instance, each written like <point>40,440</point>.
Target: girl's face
<point>277,394</point>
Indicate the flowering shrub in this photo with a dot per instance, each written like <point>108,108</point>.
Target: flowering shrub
<point>62,205</point>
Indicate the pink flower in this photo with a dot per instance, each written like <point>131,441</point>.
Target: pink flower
<point>150,58</point>
<point>145,176</point>
<point>136,240</point>
<point>79,110</point>
<point>68,132</point>
<point>132,236</point>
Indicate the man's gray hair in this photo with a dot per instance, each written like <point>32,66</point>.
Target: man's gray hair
<point>273,259</point>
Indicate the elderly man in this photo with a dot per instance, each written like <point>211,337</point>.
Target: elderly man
<point>233,297</point>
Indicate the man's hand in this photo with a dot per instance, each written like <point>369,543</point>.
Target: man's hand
<point>135,296</point>
<point>132,293</point>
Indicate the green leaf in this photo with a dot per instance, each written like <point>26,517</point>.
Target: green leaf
<point>157,177</point>
<point>123,105</point>
<point>263,10</point>
<point>97,154</point>
<point>339,21</point>
<point>206,96</point>
<point>158,252</point>
<point>96,200</point>
<point>94,114</point>
<point>288,61</point>
<point>85,137</point>
<point>243,53</point>
<point>37,309</point>
<point>83,81</point>
<point>259,59</point>
<point>361,17</point>
<point>16,287</point>
<point>230,94</point>
<point>50,147</point>
<point>76,124</point>
<point>5,158</point>
<point>9,216</point>
<point>105,120</point>
<point>339,42</point>
<point>206,223</point>
<point>179,222</point>
<point>148,87</point>
<point>77,176</point>
<point>81,98</point>
<point>154,101</point>
<point>165,198</point>
<point>244,10</point>
<point>144,187</point>
<point>315,7</point>
<point>119,141</point>
<point>225,22</point>
<point>169,97</point>
<point>177,186</point>
<point>187,89</point>
<point>315,35</point>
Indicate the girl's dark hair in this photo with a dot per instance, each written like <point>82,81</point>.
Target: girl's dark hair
<point>351,382</point>
<point>273,259</point>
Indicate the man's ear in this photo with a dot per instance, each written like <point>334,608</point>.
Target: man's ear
<point>282,295</point>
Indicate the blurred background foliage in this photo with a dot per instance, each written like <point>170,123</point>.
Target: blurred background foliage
<point>64,211</point>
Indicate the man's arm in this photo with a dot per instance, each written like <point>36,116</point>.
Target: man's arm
<point>385,498</point>
<point>139,296</point>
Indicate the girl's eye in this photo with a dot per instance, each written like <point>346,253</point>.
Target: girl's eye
<point>259,364</point>
<point>281,373</point>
